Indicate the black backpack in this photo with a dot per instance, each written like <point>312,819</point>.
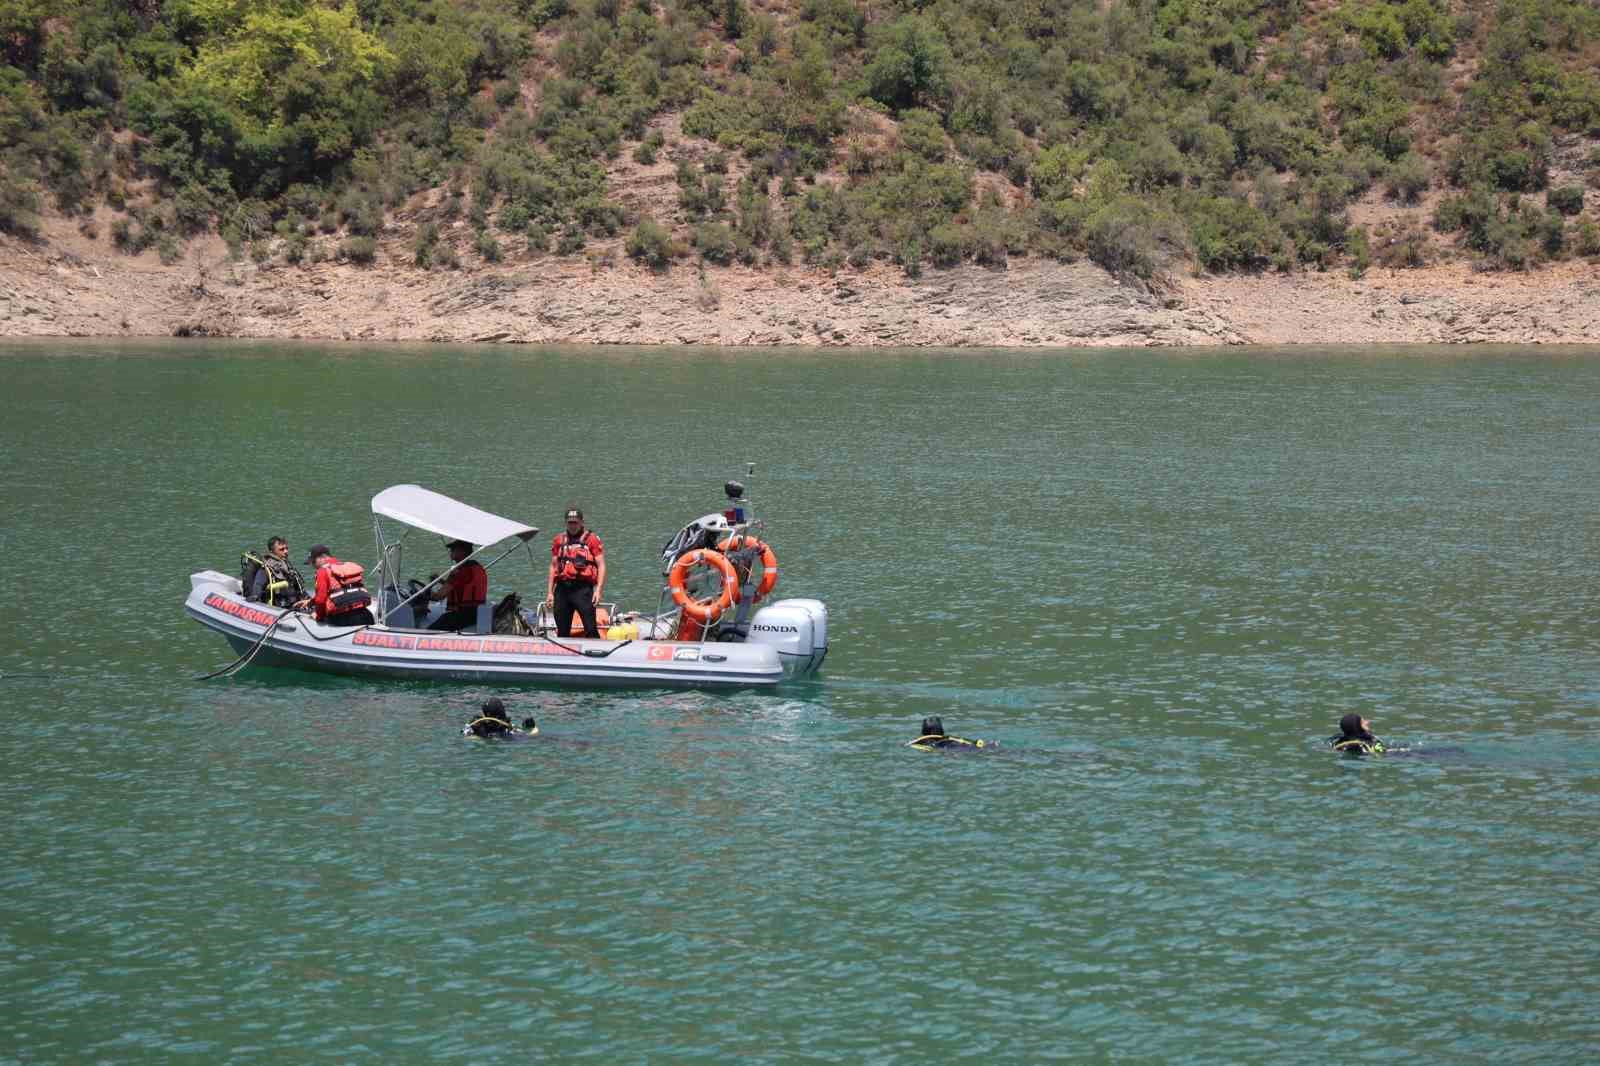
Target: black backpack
<point>249,566</point>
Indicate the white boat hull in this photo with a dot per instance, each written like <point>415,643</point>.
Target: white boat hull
<point>216,602</point>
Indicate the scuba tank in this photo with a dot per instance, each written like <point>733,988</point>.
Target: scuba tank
<point>249,566</point>
<point>282,587</point>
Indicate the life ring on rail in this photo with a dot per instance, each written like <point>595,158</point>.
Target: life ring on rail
<point>708,610</point>
<point>769,560</point>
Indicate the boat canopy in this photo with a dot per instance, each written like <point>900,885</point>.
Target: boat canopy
<point>423,508</point>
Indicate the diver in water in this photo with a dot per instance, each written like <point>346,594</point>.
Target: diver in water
<point>1355,737</point>
<point>495,724</point>
<point>934,738</point>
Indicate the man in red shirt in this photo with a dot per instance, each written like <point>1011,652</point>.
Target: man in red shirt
<point>341,598</point>
<point>463,592</point>
<point>577,576</point>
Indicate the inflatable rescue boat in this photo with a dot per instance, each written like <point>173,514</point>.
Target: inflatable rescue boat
<point>713,626</point>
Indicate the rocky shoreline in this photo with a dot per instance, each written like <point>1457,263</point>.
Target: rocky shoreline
<point>70,286</point>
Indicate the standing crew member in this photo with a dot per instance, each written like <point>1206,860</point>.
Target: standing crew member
<point>276,581</point>
<point>577,576</point>
<point>463,592</point>
<point>341,598</point>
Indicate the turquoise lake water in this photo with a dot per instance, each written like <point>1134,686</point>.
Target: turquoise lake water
<point>1158,579</point>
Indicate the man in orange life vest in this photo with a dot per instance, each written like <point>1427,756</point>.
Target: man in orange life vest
<point>341,598</point>
<point>463,592</point>
<point>577,575</point>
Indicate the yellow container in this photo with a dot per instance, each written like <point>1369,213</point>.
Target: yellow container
<point>623,632</point>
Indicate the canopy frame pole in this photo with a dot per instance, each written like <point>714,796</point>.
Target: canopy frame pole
<point>389,566</point>
<point>524,538</point>
<point>387,574</point>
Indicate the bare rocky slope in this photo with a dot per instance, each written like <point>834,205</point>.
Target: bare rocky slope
<point>70,285</point>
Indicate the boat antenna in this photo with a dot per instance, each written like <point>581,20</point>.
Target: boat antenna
<point>738,498</point>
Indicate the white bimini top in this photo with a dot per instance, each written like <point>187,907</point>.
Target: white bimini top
<point>425,509</point>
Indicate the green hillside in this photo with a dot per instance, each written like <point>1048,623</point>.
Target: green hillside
<point>1150,135</point>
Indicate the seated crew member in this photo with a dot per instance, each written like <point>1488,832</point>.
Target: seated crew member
<point>934,738</point>
<point>1355,737</point>
<point>577,576</point>
<point>463,592</point>
<point>341,597</point>
<point>494,723</point>
<point>277,582</point>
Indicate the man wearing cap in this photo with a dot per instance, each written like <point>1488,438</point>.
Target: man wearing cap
<point>463,591</point>
<point>341,598</point>
<point>577,575</point>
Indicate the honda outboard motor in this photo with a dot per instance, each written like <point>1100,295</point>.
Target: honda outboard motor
<point>798,629</point>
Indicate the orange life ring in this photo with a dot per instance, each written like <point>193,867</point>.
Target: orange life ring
<point>703,610</point>
<point>769,561</point>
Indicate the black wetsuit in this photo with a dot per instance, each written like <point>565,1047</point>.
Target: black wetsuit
<point>291,587</point>
<point>1362,743</point>
<point>945,742</point>
<point>495,729</point>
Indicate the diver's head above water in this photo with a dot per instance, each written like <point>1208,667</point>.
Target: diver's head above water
<point>1355,736</point>
<point>492,720</point>
<point>1355,726</point>
<point>934,738</point>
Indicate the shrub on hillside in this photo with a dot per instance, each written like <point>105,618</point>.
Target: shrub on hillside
<point>1549,229</point>
<point>512,218</point>
<point>1513,160</point>
<point>423,246</point>
<point>1358,248</point>
<point>910,65</point>
<point>645,153</point>
<point>1402,246</point>
<point>488,247</point>
<point>1230,234</point>
<point>1566,199</point>
<point>362,251</point>
<point>19,206</point>
<point>715,242</point>
<point>1156,163</point>
<point>922,133</point>
<point>1586,237</point>
<point>1407,178</point>
<point>651,244</point>
<point>1129,238</point>
<point>947,245</point>
<point>571,240</point>
<point>538,238</point>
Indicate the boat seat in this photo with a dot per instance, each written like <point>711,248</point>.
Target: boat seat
<point>485,619</point>
<point>398,615</point>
